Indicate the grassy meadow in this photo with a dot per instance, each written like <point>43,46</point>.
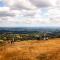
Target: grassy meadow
<point>31,50</point>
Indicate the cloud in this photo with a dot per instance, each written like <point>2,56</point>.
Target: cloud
<point>58,3</point>
<point>20,4</point>
<point>54,12</point>
<point>4,11</point>
<point>43,3</point>
<point>4,14</point>
<point>30,13</point>
<point>29,4</point>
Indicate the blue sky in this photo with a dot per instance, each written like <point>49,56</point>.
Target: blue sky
<point>29,13</point>
<point>2,4</point>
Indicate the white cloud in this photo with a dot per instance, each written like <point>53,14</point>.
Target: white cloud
<point>4,9</point>
<point>43,3</point>
<point>30,13</point>
<point>20,4</point>
<point>54,12</point>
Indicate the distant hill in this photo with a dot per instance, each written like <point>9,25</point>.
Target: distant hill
<point>24,30</point>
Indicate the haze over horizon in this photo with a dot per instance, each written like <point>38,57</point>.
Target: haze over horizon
<point>29,13</point>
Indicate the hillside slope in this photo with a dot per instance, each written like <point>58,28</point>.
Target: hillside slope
<point>31,50</point>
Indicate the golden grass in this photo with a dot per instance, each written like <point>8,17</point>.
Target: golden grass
<point>31,50</point>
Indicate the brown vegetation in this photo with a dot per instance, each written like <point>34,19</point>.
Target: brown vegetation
<point>31,50</point>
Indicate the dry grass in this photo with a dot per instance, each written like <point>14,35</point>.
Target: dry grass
<point>31,50</point>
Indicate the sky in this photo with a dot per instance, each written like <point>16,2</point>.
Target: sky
<point>29,13</point>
